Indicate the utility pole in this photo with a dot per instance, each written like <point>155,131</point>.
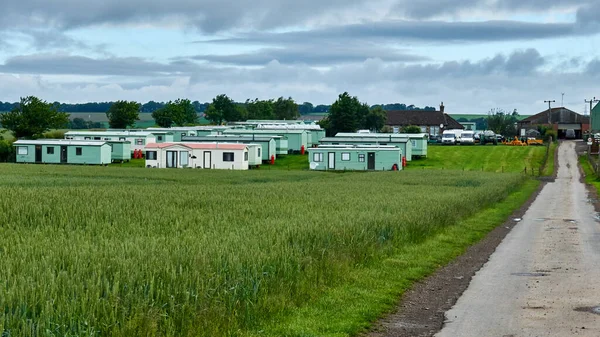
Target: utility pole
<point>591,101</point>
<point>549,110</point>
<point>562,100</point>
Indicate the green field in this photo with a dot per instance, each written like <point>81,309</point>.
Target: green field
<point>145,121</point>
<point>488,158</point>
<point>127,252</point>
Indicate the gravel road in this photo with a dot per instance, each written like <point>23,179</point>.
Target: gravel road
<point>544,278</point>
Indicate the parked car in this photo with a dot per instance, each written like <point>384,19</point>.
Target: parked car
<point>488,136</point>
<point>466,138</point>
<point>451,137</point>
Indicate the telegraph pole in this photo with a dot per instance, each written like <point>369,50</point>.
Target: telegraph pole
<point>562,100</point>
<point>591,101</point>
<point>549,110</point>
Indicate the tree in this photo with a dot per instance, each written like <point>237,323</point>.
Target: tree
<point>285,108</point>
<point>411,129</point>
<point>180,112</point>
<point>502,123</point>
<point>260,109</point>
<point>305,108</point>
<point>123,114</point>
<point>376,119</point>
<point>32,117</point>
<point>223,109</point>
<point>343,115</point>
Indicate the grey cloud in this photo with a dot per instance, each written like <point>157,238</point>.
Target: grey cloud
<point>47,39</point>
<point>403,31</point>
<point>79,65</point>
<point>589,13</point>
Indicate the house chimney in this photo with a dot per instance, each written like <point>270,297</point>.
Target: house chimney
<point>442,107</point>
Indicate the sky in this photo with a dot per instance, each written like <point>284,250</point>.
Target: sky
<point>472,55</point>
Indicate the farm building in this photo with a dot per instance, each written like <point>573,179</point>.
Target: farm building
<point>403,143</point>
<point>138,139</point>
<point>559,119</point>
<point>355,157</point>
<point>296,138</point>
<point>418,141</point>
<point>60,151</point>
<point>218,156</point>
<point>431,122</point>
<point>267,143</point>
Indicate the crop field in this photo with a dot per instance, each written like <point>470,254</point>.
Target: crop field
<point>486,158</point>
<point>90,251</point>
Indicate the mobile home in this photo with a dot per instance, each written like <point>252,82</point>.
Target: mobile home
<point>183,131</point>
<point>403,143</point>
<point>197,155</point>
<point>138,139</point>
<point>268,145</point>
<point>61,151</point>
<point>355,157</point>
<point>418,141</point>
<point>314,132</point>
<point>297,139</point>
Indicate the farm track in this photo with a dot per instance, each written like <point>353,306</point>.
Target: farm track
<point>422,309</point>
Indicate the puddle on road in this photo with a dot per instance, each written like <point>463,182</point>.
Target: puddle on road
<point>536,274</point>
<point>591,310</point>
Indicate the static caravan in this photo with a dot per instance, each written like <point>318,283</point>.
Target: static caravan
<point>254,155</point>
<point>267,143</point>
<point>61,151</point>
<point>315,132</point>
<point>418,141</point>
<point>218,156</point>
<point>355,158</point>
<point>403,143</point>
<point>120,150</point>
<point>138,139</point>
<point>183,131</point>
<point>296,138</point>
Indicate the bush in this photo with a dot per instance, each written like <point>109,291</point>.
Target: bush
<point>7,151</point>
<point>55,134</point>
<point>550,133</point>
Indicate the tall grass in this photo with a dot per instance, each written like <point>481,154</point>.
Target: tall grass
<point>122,252</point>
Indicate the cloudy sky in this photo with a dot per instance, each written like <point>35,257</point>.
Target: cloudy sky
<point>474,55</point>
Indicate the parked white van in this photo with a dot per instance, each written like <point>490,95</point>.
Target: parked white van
<point>467,138</point>
<point>451,137</point>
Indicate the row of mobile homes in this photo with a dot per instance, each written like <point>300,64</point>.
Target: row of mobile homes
<point>268,144</point>
<point>183,131</point>
<point>418,141</point>
<point>218,156</point>
<point>314,132</point>
<point>403,143</point>
<point>60,151</point>
<point>138,139</point>
<point>297,139</point>
<point>355,158</point>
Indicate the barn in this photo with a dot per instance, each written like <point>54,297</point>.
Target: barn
<point>559,119</point>
<point>355,158</point>
<point>60,151</point>
<point>220,156</point>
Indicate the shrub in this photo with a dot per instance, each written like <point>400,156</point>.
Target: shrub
<point>7,151</point>
<point>550,133</point>
<point>55,134</point>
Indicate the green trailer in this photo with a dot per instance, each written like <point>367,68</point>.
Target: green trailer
<point>418,141</point>
<point>355,158</point>
<point>403,143</point>
<point>61,151</point>
<point>297,139</point>
<point>137,138</point>
<point>268,145</point>
<point>120,150</point>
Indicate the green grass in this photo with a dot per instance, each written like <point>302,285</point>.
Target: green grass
<point>121,252</point>
<point>289,162</point>
<point>486,158</point>
<point>590,177</point>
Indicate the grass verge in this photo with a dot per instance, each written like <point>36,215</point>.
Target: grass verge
<point>372,291</point>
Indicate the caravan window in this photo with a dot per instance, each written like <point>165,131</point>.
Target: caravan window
<point>97,138</point>
<point>150,155</point>
<point>318,157</point>
<point>22,150</point>
<point>160,138</point>
<point>345,156</point>
<point>245,156</point>
<point>139,141</point>
<point>259,152</point>
<point>50,150</point>
<point>87,138</point>
<point>361,158</point>
<point>78,151</point>
<point>121,138</point>
<point>228,156</point>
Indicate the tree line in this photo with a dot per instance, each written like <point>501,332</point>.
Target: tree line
<point>305,108</point>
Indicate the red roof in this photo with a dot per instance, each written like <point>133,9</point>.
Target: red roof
<point>198,146</point>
